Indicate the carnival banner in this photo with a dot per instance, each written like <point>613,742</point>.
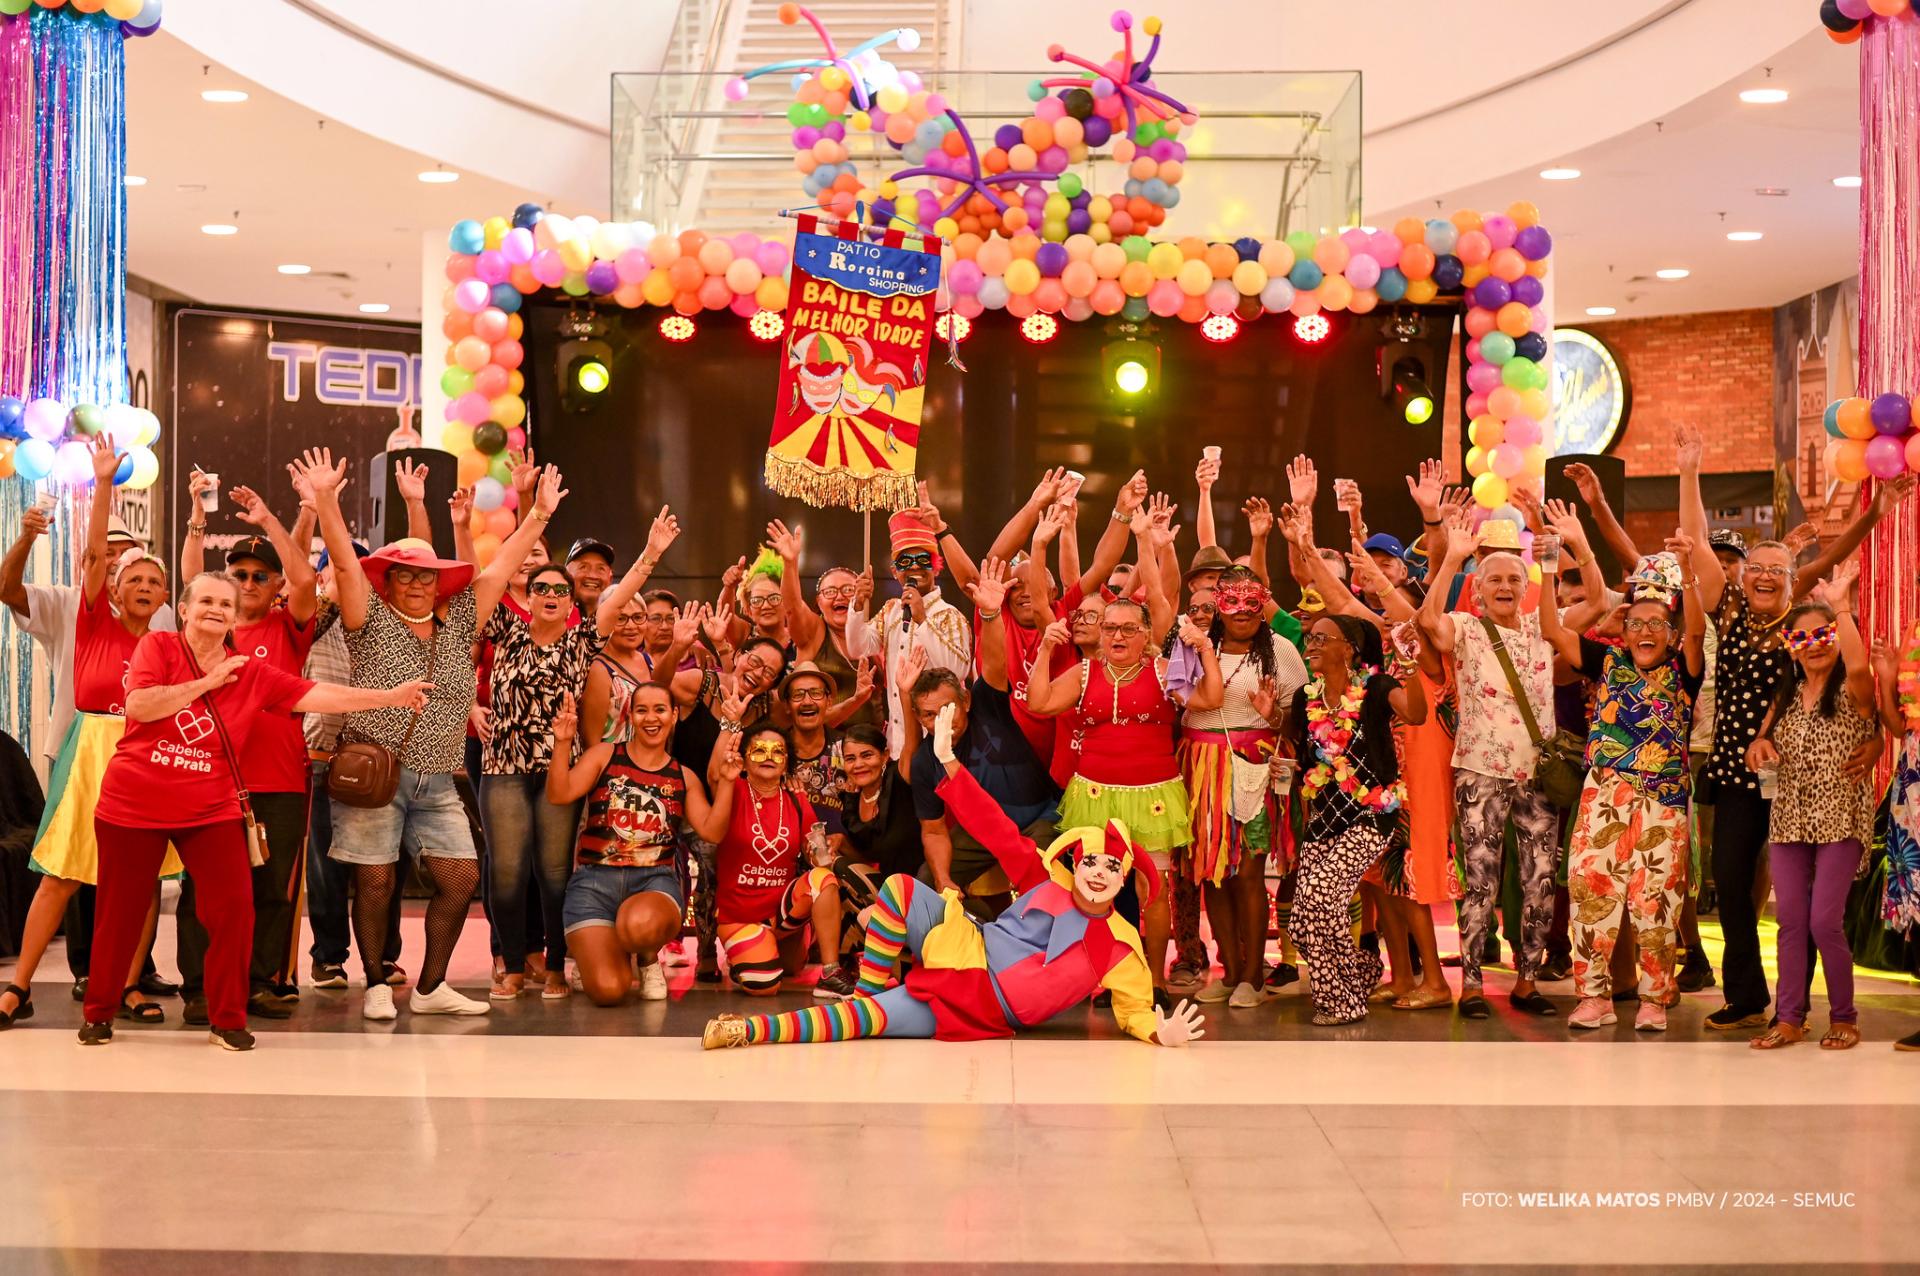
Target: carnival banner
<point>846,424</point>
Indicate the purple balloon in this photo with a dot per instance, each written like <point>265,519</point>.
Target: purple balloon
<point>1891,414</point>
<point>1533,243</point>
<point>1528,291</point>
<point>835,130</point>
<point>1858,10</point>
<point>602,278</point>
<point>1098,131</point>
<point>1052,259</point>
<point>1492,293</point>
<point>1079,222</point>
<point>804,137</point>
<point>1008,136</point>
<point>1161,150</point>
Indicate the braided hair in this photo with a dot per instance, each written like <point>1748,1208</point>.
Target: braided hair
<point>1260,646</point>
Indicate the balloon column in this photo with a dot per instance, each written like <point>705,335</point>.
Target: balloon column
<point>1846,20</point>
<point>136,17</point>
<point>44,439</point>
<point>1507,346</point>
<point>1877,437</point>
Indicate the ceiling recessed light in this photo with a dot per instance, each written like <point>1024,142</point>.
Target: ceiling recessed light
<point>1671,272</point>
<point>1744,236</point>
<point>1601,312</point>
<point>295,268</point>
<point>374,307</point>
<point>1559,174</point>
<point>439,176</point>
<point>1851,182</point>
<point>223,95</point>
<point>216,228</point>
<point>1770,192</point>
<point>1763,97</point>
<point>131,180</point>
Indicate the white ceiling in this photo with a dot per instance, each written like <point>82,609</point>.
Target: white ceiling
<point>518,106</point>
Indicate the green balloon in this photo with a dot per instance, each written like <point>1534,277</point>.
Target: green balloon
<point>1070,185</point>
<point>501,468</point>
<point>1496,347</point>
<point>816,115</point>
<point>1137,247</point>
<point>1149,133</point>
<point>1517,371</point>
<point>12,7</point>
<point>1135,310</point>
<point>1539,379</point>
<point>797,114</point>
<point>87,419</point>
<point>1302,242</point>
<point>456,381</point>
<point>574,285</point>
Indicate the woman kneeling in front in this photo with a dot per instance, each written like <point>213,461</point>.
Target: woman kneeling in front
<point>191,705</point>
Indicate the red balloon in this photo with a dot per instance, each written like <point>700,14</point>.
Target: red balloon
<point>508,354</point>
<point>490,325</point>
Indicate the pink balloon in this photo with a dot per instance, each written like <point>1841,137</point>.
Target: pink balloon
<point>1020,305</point>
<point>459,267</point>
<point>1164,298</point>
<point>744,305</point>
<point>1507,460</point>
<point>1538,321</point>
<point>771,258</point>
<point>517,439</point>
<point>508,354</point>
<point>632,266</point>
<point>1222,297</point>
<point>1356,240</point>
<point>1476,406</point>
<point>1078,310</point>
<point>1362,270</point>
<point>1523,430</point>
<point>1050,296</point>
<point>471,408</point>
<point>518,246</point>
<point>714,293</point>
<point>1886,457</point>
<point>1304,303</point>
<point>745,244</point>
<point>548,268</point>
<point>965,277</point>
<point>1109,298</point>
<point>1483,378</point>
<point>1499,231</point>
<point>490,382</point>
<point>471,296</point>
<point>1473,351</point>
<point>490,325</point>
<point>1385,248</point>
<point>491,267</point>
<point>968,307</point>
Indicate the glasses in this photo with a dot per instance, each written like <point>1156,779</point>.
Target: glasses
<point>549,589</point>
<point>664,618</point>
<point>835,593</point>
<point>413,575</point>
<point>629,621</point>
<point>766,751</point>
<point>1122,631</point>
<point>907,562</point>
<point>254,578</point>
<point>757,601</point>
<point>1635,625</point>
<point>801,695</point>
<point>755,663</point>
<point>1781,572</point>
<point>1316,639</point>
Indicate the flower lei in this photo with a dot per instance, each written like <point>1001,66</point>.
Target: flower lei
<point>1907,681</point>
<point>1332,729</point>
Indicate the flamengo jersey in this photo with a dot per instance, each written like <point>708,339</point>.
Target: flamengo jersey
<point>633,816</point>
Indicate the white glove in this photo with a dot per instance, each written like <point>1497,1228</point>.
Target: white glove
<point>943,735</point>
<point>1182,1026</point>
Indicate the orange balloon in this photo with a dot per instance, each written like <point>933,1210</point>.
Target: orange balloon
<point>1410,230</point>
<point>1466,219</point>
<point>1025,246</point>
<point>1848,37</point>
<point>472,468</point>
<point>1507,264</point>
<point>1523,214</point>
<point>1221,259</point>
<point>1136,277</point>
<point>691,242</point>
<point>965,245</point>
<point>1192,248</point>
<point>1855,420</point>
<point>1079,278</point>
<point>1515,319</point>
<point>1037,133</point>
<point>1850,460</point>
<point>1014,219</point>
<point>953,144</point>
<point>1504,403</point>
<point>1416,260</point>
<point>1194,309</point>
<point>477,522</point>
<point>994,161</point>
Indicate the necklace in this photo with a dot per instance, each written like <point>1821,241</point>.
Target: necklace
<point>413,620</point>
<point>776,846</point>
<point>1333,729</point>
<point>1120,680</point>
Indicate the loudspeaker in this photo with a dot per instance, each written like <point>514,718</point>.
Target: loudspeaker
<point>1612,473</point>
<point>389,521</point>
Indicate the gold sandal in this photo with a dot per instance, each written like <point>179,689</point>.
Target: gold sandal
<point>1781,1034</point>
<point>1418,1000</point>
<point>1841,1036</point>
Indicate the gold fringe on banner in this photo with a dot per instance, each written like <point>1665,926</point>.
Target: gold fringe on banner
<point>825,488</point>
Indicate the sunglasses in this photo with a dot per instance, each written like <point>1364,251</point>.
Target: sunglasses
<point>246,577</point>
<point>550,589</point>
<point>907,562</point>
<point>413,575</point>
<point>1805,639</point>
<point>1200,611</point>
<point>1317,639</point>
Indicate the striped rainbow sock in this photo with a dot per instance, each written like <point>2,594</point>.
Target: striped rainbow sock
<point>886,937</point>
<point>838,1021</point>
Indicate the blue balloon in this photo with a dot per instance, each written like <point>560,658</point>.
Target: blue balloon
<point>1392,285</point>
<point>1305,276</point>
<point>1531,346</point>
<point>125,469</point>
<point>1833,419</point>
<point>468,237</point>
<point>1448,272</point>
<point>527,216</point>
<point>12,410</point>
<point>1173,197</point>
<point>506,297</point>
<point>148,18</point>
<point>1442,236</point>
<point>1247,248</point>
<point>1155,190</point>
<point>929,133</point>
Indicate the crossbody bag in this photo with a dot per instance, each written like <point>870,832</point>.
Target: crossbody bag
<point>1559,770</point>
<point>257,849</point>
<point>367,775</point>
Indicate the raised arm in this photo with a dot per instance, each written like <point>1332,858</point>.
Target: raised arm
<point>1409,702</point>
<point>1693,516</point>
<point>1210,691</point>
<point>1565,521</point>
<point>1693,612</point>
<point>410,482</point>
<point>301,595</point>
<point>1605,521</point>
<point>1019,528</point>
<point>665,530</point>
<point>13,568</point>
<point>460,512</point>
<point>330,697</point>
<point>989,596</point>
<point>959,562</point>
<point>1564,641</point>
<point>1112,546</point>
<point>1837,593</point>
<point>1434,621</point>
<point>710,818</point>
<point>1159,607</point>
<point>1051,525</point>
<point>1205,475</point>
<point>1886,670</point>
<point>1069,512</point>
<point>804,625</point>
<point>1885,496</point>
<point>193,545</point>
<point>105,462</point>
<point>1048,696</point>
<point>320,474</point>
<point>490,586</point>
<point>1393,604</point>
<point>570,781</point>
<point>1259,529</point>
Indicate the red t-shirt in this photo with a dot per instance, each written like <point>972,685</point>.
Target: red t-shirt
<point>277,762</point>
<point>101,649</point>
<point>173,772</point>
<point>753,866</point>
<point>1050,744</point>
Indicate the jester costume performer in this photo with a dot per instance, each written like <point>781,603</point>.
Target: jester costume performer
<point>1050,951</point>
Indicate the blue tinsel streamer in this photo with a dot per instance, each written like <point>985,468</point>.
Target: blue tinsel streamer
<point>77,332</point>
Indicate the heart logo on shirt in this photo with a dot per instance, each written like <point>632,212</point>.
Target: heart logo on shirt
<point>193,725</point>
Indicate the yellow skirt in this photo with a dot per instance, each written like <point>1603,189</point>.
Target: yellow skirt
<point>65,846</point>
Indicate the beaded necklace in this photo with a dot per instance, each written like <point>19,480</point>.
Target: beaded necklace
<point>1332,729</point>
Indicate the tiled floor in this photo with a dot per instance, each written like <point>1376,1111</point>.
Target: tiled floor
<point>578,1136</point>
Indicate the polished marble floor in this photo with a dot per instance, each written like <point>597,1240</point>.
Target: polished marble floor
<point>558,1134</point>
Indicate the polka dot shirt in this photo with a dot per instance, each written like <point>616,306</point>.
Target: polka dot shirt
<point>1750,665</point>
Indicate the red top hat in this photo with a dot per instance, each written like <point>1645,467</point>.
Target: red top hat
<point>907,532</point>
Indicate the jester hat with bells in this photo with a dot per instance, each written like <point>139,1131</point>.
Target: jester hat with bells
<point>1112,840</point>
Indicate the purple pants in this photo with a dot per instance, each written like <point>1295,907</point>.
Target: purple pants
<point>1810,885</point>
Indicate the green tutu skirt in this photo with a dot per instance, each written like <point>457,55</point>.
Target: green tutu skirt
<point>1155,814</point>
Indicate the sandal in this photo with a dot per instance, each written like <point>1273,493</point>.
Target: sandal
<point>507,988</point>
<point>23,1008</point>
<point>140,1012</point>
<point>1841,1036</point>
<point>1781,1034</point>
<point>556,987</point>
<point>1423,1000</point>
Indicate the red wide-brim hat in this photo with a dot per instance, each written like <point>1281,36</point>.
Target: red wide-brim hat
<point>411,551</point>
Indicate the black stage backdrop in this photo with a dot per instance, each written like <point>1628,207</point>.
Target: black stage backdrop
<point>686,423</point>
<point>251,390</point>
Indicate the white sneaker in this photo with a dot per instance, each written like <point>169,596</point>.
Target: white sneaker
<point>653,982</point>
<point>1245,997</point>
<point>1214,993</point>
<point>379,1004</point>
<point>445,1001</point>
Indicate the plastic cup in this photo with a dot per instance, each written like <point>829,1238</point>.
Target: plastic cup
<point>1282,770</point>
<point>817,850</point>
<point>1769,781</point>
<point>1072,489</point>
<point>210,499</point>
<point>1210,453</point>
<point>1546,552</point>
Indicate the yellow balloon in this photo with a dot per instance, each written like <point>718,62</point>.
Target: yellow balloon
<point>1490,491</point>
<point>771,294</point>
<point>1421,291</point>
<point>124,10</point>
<point>1249,277</point>
<point>509,410</point>
<point>1193,277</point>
<point>495,230</point>
<point>1165,260</point>
<point>1021,277</point>
<point>576,255</point>
<point>946,228</point>
<point>1476,461</point>
<point>456,437</point>
<point>1335,292</point>
<point>1534,403</point>
<point>1486,431</point>
<point>656,289</point>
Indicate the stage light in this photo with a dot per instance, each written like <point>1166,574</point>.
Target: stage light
<point>767,325</point>
<point>1039,328</point>
<point>677,328</point>
<point>1311,329</point>
<point>1411,397</point>
<point>961,326</point>
<point>585,368</point>
<point>1220,328</point>
<point>1130,377</point>
<point>592,377</point>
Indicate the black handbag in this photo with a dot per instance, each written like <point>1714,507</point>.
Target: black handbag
<point>1560,771</point>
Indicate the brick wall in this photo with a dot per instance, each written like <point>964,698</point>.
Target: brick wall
<point>1714,371</point>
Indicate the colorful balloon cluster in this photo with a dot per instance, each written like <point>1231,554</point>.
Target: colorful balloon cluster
<point>43,438</point>
<point>1846,20</point>
<point>136,17</point>
<point>1878,437</point>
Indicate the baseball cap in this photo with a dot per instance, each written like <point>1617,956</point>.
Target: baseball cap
<point>359,551</point>
<point>1382,543</point>
<point>588,545</point>
<point>1728,539</point>
<point>256,547</point>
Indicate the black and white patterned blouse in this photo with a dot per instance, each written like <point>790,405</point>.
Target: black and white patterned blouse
<point>528,681</point>
<point>385,652</point>
<point>1748,669</point>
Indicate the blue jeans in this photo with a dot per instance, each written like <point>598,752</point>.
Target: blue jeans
<point>426,817</point>
<point>327,886</point>
<point>528,839</point>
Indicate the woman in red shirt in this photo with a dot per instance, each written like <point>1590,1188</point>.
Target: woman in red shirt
<point>191,705</point>
<point>118,598</point>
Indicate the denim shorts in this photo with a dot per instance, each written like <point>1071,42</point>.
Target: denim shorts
<point>426,817</point>
<point>595,892</point>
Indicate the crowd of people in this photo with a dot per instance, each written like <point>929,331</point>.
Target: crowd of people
<point>1036,779</point>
